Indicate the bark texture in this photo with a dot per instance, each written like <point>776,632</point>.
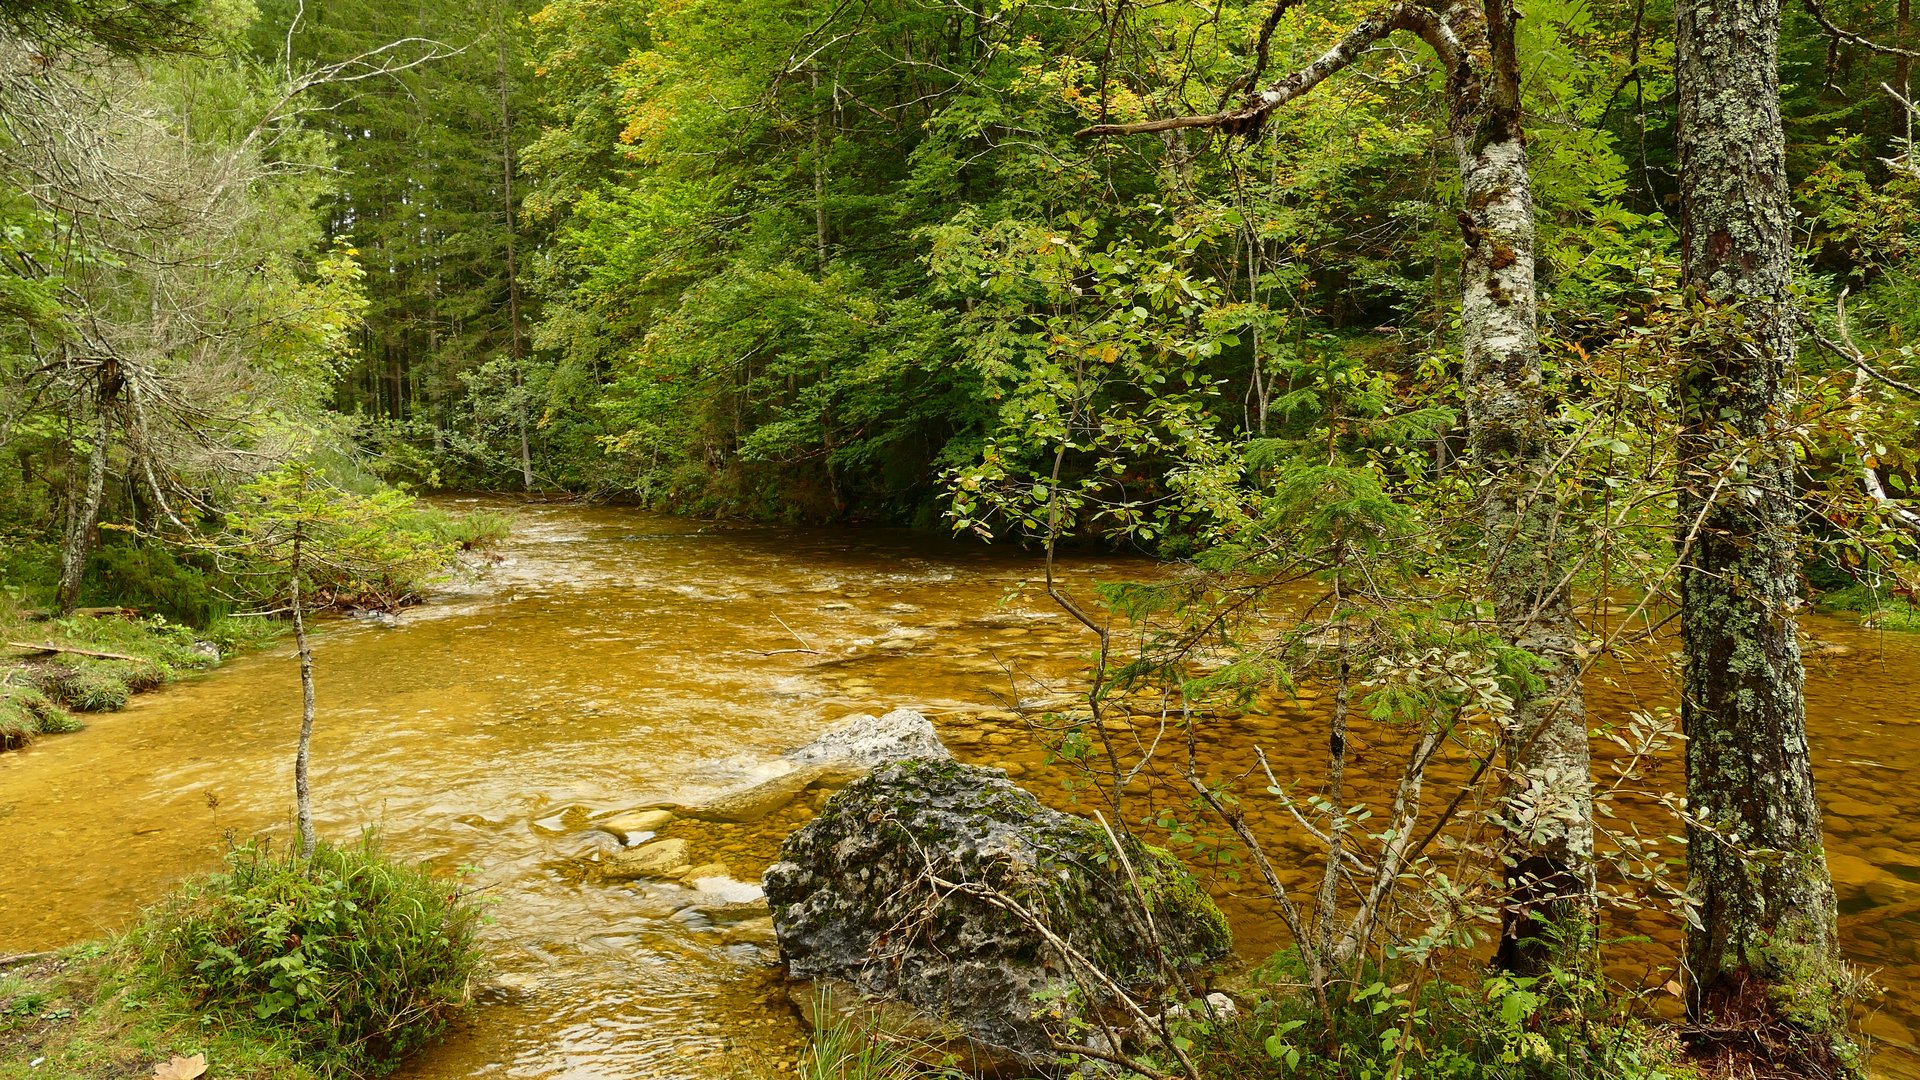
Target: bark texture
<point>1764,958</point>
<point>1548,917</point>
<point>302,792</point>
<point>84,514</point>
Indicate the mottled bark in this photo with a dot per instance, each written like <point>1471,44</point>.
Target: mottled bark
<point>1548,917</point>
<point>82,516</point>
<point>1765,951</point>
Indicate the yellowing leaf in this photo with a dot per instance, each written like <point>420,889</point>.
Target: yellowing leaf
<point>181,1068</point>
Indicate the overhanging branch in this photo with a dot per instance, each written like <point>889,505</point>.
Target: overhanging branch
<point>1247,118</point>
<point>1842,34</point>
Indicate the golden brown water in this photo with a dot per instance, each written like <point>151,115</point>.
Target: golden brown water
<point>616,659</point>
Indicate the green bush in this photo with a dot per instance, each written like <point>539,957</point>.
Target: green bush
<point>1397,1025</point>
<point>155,579</point>
<point>355,958</point>
<point>1877,606</point>
<point>468,531</point>
<point>243,633</point>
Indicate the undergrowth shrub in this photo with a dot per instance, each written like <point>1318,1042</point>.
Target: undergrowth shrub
<point>467,531</point>
<point>357,959</point>
<point>1398,1024</point>
<point>156,579</point>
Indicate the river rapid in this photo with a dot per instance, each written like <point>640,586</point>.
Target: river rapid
<point>614,659</point>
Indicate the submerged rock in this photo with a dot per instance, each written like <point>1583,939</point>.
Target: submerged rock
<point>914,885</point>
<point>857,743</point>
<point>868,742</point>
<point>635,825</point>
<point>660,859</point>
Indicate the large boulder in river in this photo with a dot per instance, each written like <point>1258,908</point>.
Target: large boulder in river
<point>920,883</point>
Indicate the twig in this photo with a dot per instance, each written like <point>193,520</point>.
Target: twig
<point>18,959</point>
<point>796,636</point>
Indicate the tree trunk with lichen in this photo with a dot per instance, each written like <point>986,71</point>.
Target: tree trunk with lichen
<point>84,513</point>
<point>1763,961</point>
<point>1548,917</point>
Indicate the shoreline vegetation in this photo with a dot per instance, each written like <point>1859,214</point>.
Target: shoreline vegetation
<point>56,670</point>
<point>281,966</point>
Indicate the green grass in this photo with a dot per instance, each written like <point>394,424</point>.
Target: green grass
<point>849,1048</point>
<point>470,531</point>
<point>40,693</point>
<point>89,1016</point>
<point>1876,607</point>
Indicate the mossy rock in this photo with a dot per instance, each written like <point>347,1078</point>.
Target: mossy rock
<point>920,883</point>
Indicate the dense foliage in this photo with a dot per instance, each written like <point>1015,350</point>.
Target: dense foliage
<point>812,260</point>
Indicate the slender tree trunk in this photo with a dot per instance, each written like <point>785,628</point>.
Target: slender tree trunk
<point>84,514</point>
<point>1548,918</point>
<point>1764,955</point>
<point>302,794</point>
<point>515,333</point>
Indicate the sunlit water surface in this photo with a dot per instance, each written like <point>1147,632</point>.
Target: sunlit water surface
<point>614,659</point>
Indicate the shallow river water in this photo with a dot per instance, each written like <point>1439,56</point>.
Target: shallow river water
<point>615,659</point>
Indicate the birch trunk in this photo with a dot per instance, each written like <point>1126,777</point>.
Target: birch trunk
<point>1548,917</point>
<point>1548,914</point>
<point>1764,956</point>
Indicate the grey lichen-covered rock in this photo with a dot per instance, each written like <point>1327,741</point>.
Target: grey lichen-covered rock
<point>872,741</point>
<point>856,897</point>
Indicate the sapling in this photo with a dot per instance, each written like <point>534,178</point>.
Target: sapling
<point>300,535</point>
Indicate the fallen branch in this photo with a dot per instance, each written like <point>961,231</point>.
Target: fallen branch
<point>24,958</point>
<point>39,648</point>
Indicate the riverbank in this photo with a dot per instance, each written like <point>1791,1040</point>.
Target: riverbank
<point>82,1014</point>
<point>56,670</point>
<point>53,670</point>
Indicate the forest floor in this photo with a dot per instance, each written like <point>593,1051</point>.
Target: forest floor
<point>80,1015</point>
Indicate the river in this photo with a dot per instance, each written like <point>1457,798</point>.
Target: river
<point>614,659</point>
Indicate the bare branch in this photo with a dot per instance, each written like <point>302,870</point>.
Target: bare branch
<point>1247,119</point>
<point>1840,33</point>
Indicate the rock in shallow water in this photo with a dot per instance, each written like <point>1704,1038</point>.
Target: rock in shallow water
<point>634,825</point>
<point>660,859</point>
<point>916,884</point>
<point>871,741</point>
